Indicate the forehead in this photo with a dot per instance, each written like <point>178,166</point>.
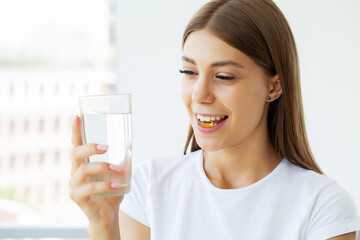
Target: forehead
<point>202,45</point>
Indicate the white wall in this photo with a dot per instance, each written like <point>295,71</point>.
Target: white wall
<point>328,40</point>
<point>327,36</point>
<point>150,34</point>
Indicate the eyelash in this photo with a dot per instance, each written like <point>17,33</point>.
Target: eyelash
<point>191,73</point>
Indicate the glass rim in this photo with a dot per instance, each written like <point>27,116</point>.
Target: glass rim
<point>105,95</point>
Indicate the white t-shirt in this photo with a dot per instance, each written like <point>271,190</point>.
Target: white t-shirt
<point>176,200</point>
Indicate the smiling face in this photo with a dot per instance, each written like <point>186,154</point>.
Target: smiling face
<point>224,92</point>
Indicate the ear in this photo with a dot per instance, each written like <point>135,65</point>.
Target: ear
<point>275,89</point>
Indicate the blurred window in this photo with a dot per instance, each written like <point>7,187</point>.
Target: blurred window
<point>41,125</point>
<point>51,52</point>
<point>26,125</point>
<point>11,127</point>
<point>26,160</point>
<point>56,124</point>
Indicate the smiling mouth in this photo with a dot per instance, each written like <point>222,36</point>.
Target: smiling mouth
<point>210,121</point>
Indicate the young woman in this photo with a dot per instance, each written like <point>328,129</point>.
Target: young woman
<point>250,173</point>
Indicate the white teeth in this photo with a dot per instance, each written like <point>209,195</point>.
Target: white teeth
<point>208,118</point>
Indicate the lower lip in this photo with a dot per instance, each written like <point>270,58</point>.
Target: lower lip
<point>210,129</point>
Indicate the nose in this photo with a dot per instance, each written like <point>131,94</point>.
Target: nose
<point>203,92</point>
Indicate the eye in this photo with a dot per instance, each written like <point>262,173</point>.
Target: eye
<point>187,72</point>
<point>222,77</point>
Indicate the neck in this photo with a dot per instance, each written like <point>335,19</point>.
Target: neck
<point>242,164</point>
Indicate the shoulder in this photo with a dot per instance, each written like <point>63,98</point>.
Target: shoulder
<point>333,213</point>
<point>305,187</point>
<point>322,190</point>
<point>331,209</point>
<point>306,181</point>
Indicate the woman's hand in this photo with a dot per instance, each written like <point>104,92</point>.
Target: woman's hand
<point>101,211</point>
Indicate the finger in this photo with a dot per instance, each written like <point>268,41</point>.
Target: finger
<point>76,132</point>
<point>86,169</point>
<point>80,153</point>
<point>82,193</point>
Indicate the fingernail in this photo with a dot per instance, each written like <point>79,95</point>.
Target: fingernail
<point>115,185</point>
<point>114,167</point>
<point>102,147</point>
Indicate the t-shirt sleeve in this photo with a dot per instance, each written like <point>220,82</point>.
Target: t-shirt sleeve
<point>134,202</point>
<point>334,213</point>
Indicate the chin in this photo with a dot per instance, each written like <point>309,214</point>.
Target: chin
<point>209,145</point>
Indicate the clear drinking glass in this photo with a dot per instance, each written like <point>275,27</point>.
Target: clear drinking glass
<point>106,119</point>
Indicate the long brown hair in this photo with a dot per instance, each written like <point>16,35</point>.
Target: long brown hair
<point>259,29</point>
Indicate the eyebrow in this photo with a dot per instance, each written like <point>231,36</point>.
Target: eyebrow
<point>215,64</point>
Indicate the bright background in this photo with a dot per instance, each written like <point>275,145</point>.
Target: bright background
<point>55,51</point>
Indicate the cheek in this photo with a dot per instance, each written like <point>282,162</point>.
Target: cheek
<point>247,103</point>
<point>256,93</point>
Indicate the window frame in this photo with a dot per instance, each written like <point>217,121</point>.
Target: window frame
<point>43,231</point>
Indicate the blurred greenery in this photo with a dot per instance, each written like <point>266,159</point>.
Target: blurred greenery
<point>7,193</point>
<point>21,61</point>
